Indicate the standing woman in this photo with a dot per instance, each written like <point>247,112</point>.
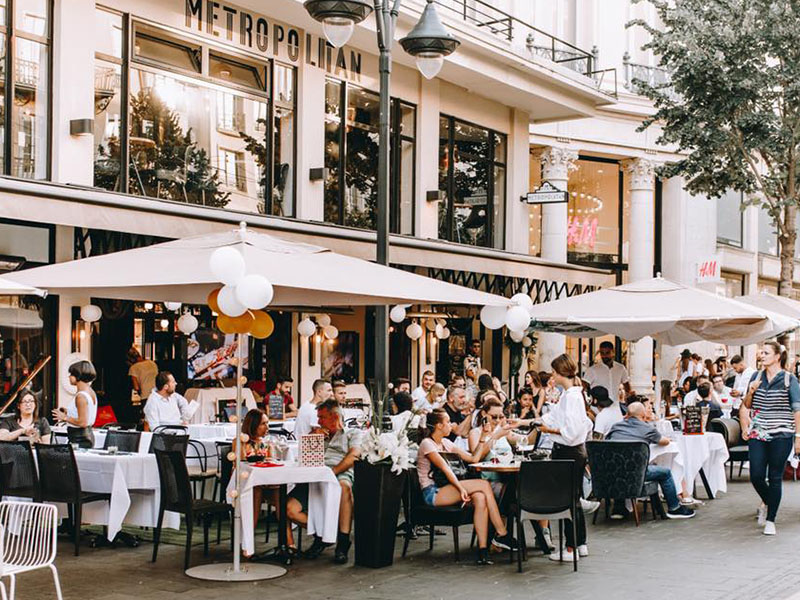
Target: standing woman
<point>773,398</point>
<point>569,427</point>
<point>81,414</point>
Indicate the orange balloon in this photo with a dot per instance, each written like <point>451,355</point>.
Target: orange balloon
<point>225,324</point>
<point>212,301</point>
<point>243,322</point>
<point>263,325</point>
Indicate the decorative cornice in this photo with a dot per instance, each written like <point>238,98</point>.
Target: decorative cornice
<point>557,162</point>
<point>642,173</point>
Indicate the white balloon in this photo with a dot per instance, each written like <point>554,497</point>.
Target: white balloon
<point>414,331</point>
<point>228,302</point>
<point>439,331</point>
<point>398,313</point>
<point>527,342</point>
<point>173,306</point>
<point>493,317</point>
<point>523,300</point>
<point>227,265</point>
<point>187,323</point>
<point>306,327</point>
<point>330,332</point>
<point>445,333</point>
<point>430,324</point>
<point>91,313</point>
<point>442,322</point>
<point>324,320</point>
<point>517,318</point>
<point>517,336</point>
<point>253,291</point>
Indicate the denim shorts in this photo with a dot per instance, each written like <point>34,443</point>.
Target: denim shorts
<point>429,494</point>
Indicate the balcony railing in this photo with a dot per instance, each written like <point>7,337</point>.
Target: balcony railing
<point>637,75</point>
<point>529,41</point>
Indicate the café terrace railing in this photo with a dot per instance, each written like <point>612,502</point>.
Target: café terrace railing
<point>529,41</point>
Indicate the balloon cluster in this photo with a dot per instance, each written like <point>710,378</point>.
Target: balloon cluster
<point>415,331</point>
<point>307,327</point>
<point>238,302</point>
<point>516,317</point>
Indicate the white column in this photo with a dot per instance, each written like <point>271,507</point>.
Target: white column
<point>427,214</point>
<point>556,165</point>
<point>518,183</point>
<point>641,177</point>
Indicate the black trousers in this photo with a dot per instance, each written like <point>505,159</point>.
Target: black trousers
<point>578,454</point>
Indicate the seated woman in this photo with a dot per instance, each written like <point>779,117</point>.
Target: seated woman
<point>26,422</point>
<point>476,491</point>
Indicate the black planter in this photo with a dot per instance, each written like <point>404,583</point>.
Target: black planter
<point>376,495</point>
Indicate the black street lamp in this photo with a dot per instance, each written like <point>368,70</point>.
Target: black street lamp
<point>429,42</point>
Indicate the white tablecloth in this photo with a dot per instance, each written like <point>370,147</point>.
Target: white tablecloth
<point>206,431</point>
<point>687,454</point>
<point>132,480</point>
<point>323,498</point>
<point>208,398</point>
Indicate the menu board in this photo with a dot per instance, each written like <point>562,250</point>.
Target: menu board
<point>275,407</point>
<point>692,420</point>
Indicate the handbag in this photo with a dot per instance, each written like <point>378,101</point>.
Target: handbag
<point>456,465</point>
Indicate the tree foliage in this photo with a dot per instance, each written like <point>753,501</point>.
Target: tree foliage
<point>733,102</point>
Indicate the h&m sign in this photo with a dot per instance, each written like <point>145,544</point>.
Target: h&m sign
<point>709,271</point>
<point>256,32</point>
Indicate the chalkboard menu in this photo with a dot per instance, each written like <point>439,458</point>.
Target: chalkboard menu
<point>692,420</point>
<point>275,407</point>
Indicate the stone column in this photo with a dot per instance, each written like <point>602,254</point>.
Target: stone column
<point>556,165</point>
<point>641,182</point>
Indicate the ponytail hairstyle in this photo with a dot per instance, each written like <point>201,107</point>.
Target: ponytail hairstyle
<point>780,350</point>
<point>564,365</point>
<point>436,416</point>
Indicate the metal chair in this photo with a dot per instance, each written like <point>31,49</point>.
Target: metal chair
<point>546,490</point>
<point>200,473</point>
<point>125,441</point>
<point>168,442</point>
<point>18,474</point>
<point>60,481</point>
<point>27,542</point>
<point>176,496</point>
<point>738,450</point>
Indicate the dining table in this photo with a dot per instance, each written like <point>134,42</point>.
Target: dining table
<point>691,456</point>
<point>209,399</point>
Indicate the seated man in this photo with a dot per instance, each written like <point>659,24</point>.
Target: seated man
<point>340,392</point>
<point>706,397</point>
<point>634,429</point>
<point>610,412</point>
<point>165,406</point>
<point>341,452</point>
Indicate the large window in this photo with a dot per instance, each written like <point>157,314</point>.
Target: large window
<point>352,121</point>
<point>593,213</point>
<point>729,219</point>
<point>195,126</point>
<point>472,175</point>
<point>25,128</point>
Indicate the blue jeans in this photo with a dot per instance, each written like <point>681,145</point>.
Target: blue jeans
<point>767,460</point>
<point>664,478</point>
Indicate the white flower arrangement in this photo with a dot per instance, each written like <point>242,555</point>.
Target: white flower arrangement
<point>377,447</point>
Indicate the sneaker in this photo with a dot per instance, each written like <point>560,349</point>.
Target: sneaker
<point>618,515</point>
<point>548,540</point>
<point>769,528</point>
<point>680,513</point>
<point>342,548</point>
<point>583,550</point>
<point>761,515</point>
<point>483,557</point>
<point>565,556</point>
<point>316,548</point>
<point>506,542</point>
<point>589,506</point>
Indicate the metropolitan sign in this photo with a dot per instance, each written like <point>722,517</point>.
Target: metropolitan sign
<point>546,193</point>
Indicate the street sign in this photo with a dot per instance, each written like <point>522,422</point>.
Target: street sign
<point>546,193</point>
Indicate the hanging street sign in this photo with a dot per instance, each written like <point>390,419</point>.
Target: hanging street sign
<point>546,193</point>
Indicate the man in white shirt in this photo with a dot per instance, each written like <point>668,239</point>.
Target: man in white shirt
<point>723,392</point>
<point>306,419</point>
<point>692,397</point>
<point>420,394</point>
<point>743,376</point>
<point>165,406</point>
<point>608,373</point>
<point>610,412</point>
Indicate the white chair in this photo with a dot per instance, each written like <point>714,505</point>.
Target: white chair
<point>27,542</point>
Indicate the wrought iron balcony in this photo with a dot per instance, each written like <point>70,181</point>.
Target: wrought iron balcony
<point>637,75</point>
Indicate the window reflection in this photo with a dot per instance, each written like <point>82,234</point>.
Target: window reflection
<point>29,113</point>
<point>593,228</point>
<point>107,125</point>
<point>361,170</point>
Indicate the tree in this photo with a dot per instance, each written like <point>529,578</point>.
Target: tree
<point>733,103</point>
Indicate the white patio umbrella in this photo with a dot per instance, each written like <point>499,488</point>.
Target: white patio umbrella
<point>11,288</point>
<point>778,304</point>
<point>671,313</point>
<point>301,275</point>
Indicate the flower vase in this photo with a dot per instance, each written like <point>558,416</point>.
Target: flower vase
<point>376,494</point>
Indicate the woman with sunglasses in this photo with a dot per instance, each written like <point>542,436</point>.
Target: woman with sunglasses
<point>26,422</point>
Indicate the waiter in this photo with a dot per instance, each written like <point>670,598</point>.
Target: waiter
<point>608,373</point>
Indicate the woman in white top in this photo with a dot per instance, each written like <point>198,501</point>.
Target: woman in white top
<point>569,426</point>
<point>81,414</point>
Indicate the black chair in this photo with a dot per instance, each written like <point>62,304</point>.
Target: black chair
<point>176,496</point>
<point>618,471</point>
<point>169,442</point>
<point>125,441</point>
<point>546,490</point>
<point>225,472</point>
<point>173,429</point>
<point>738,449</point>
<point>82,436</point>
<point>117,425</point>
<point>18,475</point>
<point>60,481</point>
<point>199,473</point>
<point>417,513</point>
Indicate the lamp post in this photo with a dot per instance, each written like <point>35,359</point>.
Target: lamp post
<point>429,42</point>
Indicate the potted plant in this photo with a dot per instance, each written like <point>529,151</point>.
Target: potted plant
<point>380,478</point>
